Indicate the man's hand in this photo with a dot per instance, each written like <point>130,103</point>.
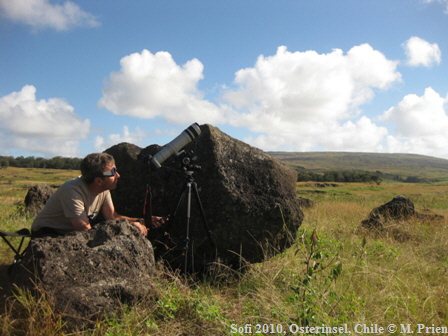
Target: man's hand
<point>158,221</point>
<point>140,223</point>
<point>142,228</point>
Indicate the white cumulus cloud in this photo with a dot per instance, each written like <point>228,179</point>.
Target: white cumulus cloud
<point>417,116</point>
<point>132,137</point>
<point>41,14</point>
<point>137,137</point>
<point>151,85</point>
<point>422,53</point>
<point>421,124</point>
<point>307,100</point>
<point>294,101</point>
<point>46,126</point>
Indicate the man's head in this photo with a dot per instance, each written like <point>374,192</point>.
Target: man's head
<point>98,166</point>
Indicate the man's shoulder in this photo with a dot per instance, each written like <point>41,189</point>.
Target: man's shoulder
<point>75,184</point>
<point>71,183</point>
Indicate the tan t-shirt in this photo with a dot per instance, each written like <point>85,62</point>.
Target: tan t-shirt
<point>73,199</point>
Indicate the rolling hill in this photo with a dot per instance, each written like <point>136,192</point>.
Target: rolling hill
<point>395,164</point>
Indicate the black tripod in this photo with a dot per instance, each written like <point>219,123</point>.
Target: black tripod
<point>191,186</point>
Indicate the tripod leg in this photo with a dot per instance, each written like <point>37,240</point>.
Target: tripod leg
<point>179,200</point>
<point>188,191</point>
<point>204,219</point>
<point>187,236</point>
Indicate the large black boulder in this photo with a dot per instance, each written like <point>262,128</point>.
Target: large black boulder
<point>91,274</point>
<point>249,200</point>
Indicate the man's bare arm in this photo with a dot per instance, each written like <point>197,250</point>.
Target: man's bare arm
<point>80,223</point>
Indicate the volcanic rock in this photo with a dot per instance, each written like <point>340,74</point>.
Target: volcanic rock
<point>36,198</point>
<point>384,219</point>
<point>249,200</point>
<point>88,275</point>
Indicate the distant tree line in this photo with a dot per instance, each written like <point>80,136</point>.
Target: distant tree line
<point>414,179</point>
<point>57,162</point>
<point>357,176</point>
<point>340,176</point>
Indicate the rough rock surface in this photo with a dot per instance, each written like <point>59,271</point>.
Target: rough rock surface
<point>305,202</point>
<point>384,218</point>
<point>92,273</point>
<point>399,207</point>
<point>36,198</point>
<point>249,200</point>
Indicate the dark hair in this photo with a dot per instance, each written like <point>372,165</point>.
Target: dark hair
<point>93,165</point>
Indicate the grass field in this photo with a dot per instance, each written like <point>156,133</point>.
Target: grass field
<point>335,275</point>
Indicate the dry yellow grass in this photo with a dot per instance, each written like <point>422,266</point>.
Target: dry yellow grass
<point>340,276</point>
<point>394,282</point>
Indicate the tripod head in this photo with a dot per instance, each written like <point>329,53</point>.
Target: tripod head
<point>188,159</point>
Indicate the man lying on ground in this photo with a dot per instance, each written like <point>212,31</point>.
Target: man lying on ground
<point>76,204</point>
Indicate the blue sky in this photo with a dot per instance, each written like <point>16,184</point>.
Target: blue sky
<point>282,75</point>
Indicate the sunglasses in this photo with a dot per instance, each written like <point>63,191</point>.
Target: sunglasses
<point>110,173</point>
